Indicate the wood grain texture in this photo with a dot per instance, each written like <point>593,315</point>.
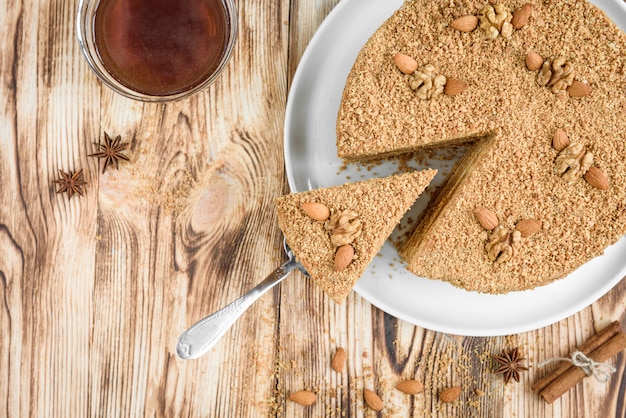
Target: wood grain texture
<point>95,291</point>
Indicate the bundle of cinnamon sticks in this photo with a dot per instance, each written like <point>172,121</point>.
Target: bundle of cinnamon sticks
<point>601,347</point>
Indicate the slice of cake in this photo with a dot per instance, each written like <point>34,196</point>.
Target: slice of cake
<point>336,231</point>
<point>539,89</point>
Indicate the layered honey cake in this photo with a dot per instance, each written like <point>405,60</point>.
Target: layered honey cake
<point>335,232</point>
<point>540,90</point>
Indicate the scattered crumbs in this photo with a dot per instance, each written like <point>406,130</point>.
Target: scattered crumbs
<point>473,403</point>
<point>171,197</point>
<point>275,403</point>
<point>510,341</point>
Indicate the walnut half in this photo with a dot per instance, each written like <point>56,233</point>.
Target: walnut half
<point>344,227</point>
<point>496,20</point>
<point>426,83</point>
<point>501,244</point>
<point>557,74</point>
<point>573,162</point>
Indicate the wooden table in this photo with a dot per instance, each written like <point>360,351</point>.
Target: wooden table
<point>94,291</point>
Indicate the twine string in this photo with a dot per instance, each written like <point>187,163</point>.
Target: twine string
<point>600,371</point>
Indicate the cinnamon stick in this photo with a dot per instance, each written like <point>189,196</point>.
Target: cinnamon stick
<point>574,375</point>
<point>587,347</point>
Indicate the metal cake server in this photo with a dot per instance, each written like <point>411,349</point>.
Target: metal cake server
<point>204,334</point>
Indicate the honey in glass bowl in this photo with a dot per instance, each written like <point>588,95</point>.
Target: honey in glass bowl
<point>157,50</point>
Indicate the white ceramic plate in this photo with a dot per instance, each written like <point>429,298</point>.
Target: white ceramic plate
<point>311,162</point>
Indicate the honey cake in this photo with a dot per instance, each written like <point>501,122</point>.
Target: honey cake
<point>335,232</point>
<point>543,101</point>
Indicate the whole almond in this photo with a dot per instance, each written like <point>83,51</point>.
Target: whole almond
<point>521,16</point>
<point>533,61</point>
<point>410,387</point>
<point>338,360</point>
<point>560,141</point>
<point>372,400</point>
<point>303,397</point>
<point>317,211</point>
<point>579,89</point>
<point>450,394</point>
<point>343,257</point>
<point>465,24</point>
<point>454,86</point>
<point>406,64</point>
<point>597,178</point>
<point>486,218</point>
<point>528,227</point>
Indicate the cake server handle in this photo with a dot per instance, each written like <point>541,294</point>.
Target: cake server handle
<point>204,334</point>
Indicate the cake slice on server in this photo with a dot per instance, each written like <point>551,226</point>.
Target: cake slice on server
<point>336,231</point>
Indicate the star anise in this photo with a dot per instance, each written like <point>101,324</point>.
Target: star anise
<point>111,151</point>
<point>71,183</point>
<point>510,364</point>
